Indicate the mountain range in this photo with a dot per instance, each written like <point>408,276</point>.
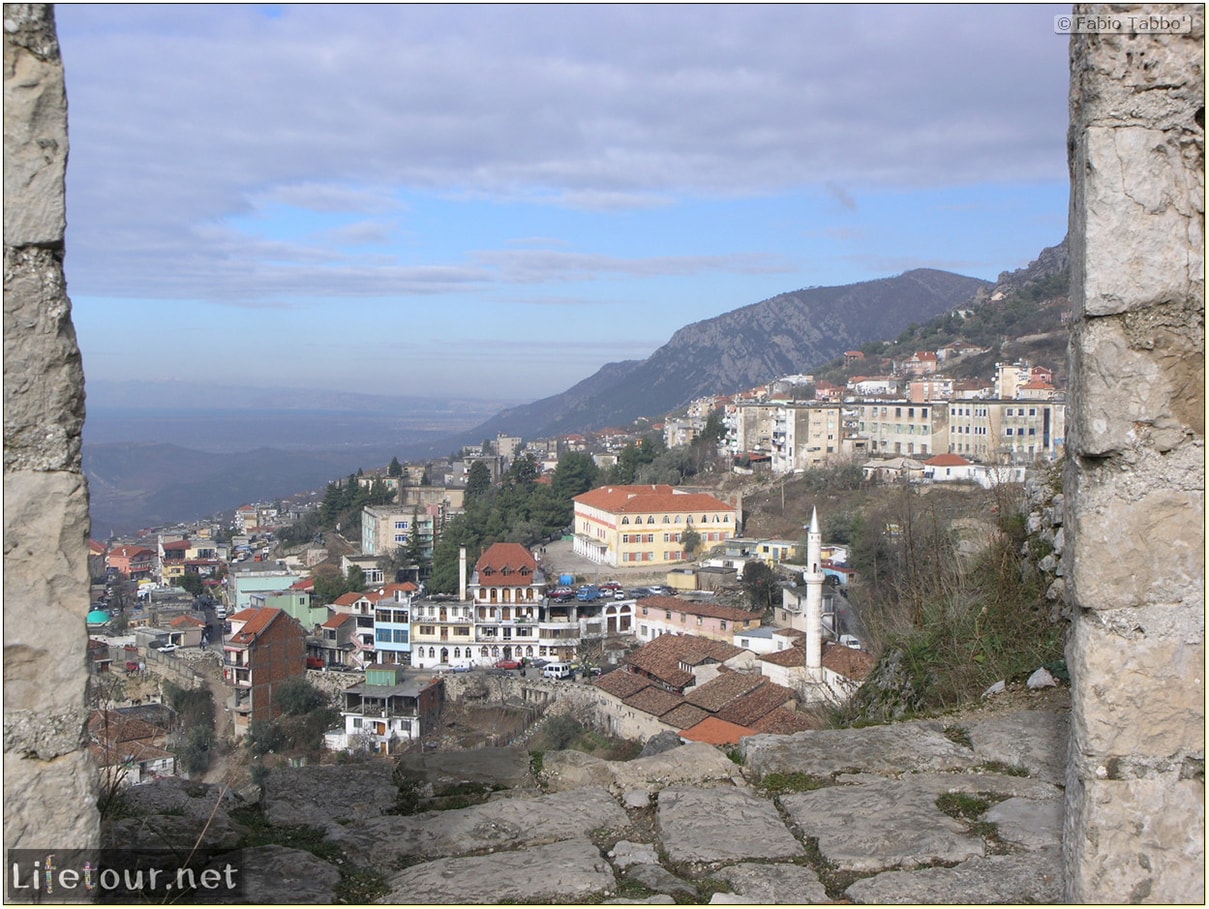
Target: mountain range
<point>786,334</point>
<point>144,482</point>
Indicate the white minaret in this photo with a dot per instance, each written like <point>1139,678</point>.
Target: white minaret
<point>813,578</point>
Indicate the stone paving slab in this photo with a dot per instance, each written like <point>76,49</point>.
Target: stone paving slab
<point>756,882</point>
<point>572,871</point>
<point>504,824</point>
<point>881,825</point>
<point>277,874</point>
<point>1033,878</point>
<point>696,762</point>
<point>920,745</point>
<point>508,767</point>
<point>322,794</point>
<point>721,825</point>
<point>1033,739</point>
<point>1028,822</point>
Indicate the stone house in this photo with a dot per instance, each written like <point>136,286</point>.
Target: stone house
<point>128,750</point>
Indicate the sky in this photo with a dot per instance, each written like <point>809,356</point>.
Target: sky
<point>494,201</point>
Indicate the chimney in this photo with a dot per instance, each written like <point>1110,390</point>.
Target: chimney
<point>462,573</point>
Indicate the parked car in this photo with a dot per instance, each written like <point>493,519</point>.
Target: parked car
<point>460,667</point>
<point>610,585</point>
<point>850,640</point>
<point>508,664</point>
<point>167,648</point>
<point>538,663</point>
<point>587,593</point>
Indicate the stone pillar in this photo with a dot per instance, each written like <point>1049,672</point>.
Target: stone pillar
<point>50,783</point>
<point>1135,479</point>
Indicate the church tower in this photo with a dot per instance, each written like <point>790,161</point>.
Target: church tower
<point>813,578</point>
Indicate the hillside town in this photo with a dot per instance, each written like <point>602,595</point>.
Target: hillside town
<point>631,598</point>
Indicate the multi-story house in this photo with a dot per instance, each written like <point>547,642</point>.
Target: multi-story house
<point>389,710</point>
<point>333,644</point>
<point>385,528</point>
<point>673,615</point>
<point>133,562</point>
<point>248,578</point>
<point>392,623</point>
<point>903,428</point>
<point>361,607</point>
<point>442,632</point>
<point>804,436</point>
<point>632,525</point>
<point>507,588</point>
<point>920,363</point>
<point>1016,431</point>
<point>265,648</point>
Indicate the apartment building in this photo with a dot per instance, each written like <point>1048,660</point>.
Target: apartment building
<point>632,525</point>
<point>904,428</point>
<point>1015,431</point>
<point>385,528</point>
<point>266,647</point>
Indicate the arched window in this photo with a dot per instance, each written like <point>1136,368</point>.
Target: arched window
<point>651,519</point>
<point>665,520</point>
<point>625,519</point>
<point>457,653</point>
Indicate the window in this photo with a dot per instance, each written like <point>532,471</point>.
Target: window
<point>650,519</point>
<point>457,653</point>
<point>722,624</point>
<point>428,629</point>
<point>400,635</point>
<point>668,615</point>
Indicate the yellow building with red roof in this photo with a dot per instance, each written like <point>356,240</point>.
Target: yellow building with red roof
<point>643,526</point>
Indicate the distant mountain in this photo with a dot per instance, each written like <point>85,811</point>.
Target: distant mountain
<point>789,333</point>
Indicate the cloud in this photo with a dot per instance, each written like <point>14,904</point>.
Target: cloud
<point>542,265</point>
<point>840,195</point>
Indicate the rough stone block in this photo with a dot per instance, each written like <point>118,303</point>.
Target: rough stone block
<point>43,376</point>
<point>1137,383</point>
<point>1141,674</point>
<point>35,127</point>
<point>1135,841</point>
<point>50,804</point>
<point>1135,541</point>
<point>721,825</point>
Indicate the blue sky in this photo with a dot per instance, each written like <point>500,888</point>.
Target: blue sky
<point>494,201</point>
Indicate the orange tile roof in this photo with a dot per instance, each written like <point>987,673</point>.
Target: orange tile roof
<point>718,692</point>
<point>507,565</point>
<point>850,663</point>
<point>339,619</point>
<point>632,499</point>
<point>187,620</point>
<point>621,684</point>
<point>654,701</point>
<point>661,658</point>
<point>347,599</point>
<point>783,721</point>
<point>948,460</point>
<point>714,731</point>
<point>757,703</point>
<point>684,716</point>
<point>260,620</point>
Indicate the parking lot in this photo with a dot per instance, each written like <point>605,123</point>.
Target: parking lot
<point>557,558</point>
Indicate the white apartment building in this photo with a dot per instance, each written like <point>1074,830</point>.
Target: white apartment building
<point>904,428</point>
<point>795,436</point>
<point>384,528</point>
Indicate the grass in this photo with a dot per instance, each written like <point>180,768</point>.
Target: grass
<point>775,784</point>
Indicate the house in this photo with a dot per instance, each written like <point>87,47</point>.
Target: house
<point>841,671</point>
<point>187,631</point>
<point>392,622</point>
<point>873,385</point>
<point>948,468</point>
<point>658,616</point>
<point>388,711</point>
<point>247,578</point>
<point>507,588</point>
<point>133,562</point>
<point>632,525</point>
<point>677,662</point>
<point>334,642</point>
<point>265,648</point>
<point>920,363</point>
<point>128,749</point>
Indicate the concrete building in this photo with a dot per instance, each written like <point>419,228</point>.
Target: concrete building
<point>388,711</point>
<point>266,647</point>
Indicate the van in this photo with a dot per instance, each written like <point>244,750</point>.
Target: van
<point>558,671</point>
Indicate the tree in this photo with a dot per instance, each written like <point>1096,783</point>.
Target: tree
<point>575,474</point>
<point>690,540</point>
<point>191,583</point>
<point>762,586</point>
<point>298,697</point>
<point>395,469</point>
<point>478,482</point>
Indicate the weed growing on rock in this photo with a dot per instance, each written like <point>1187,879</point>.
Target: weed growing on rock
<point>774,784</point>
<point>962,805</point>
<point>959,735</point>
<point>1000,767</point>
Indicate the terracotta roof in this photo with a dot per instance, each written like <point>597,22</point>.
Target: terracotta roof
<point>112,727</point>
<point>791,656</point>
<point>661,658</point>
<point>716,732</point>
<point>632,499</point>
<point>96,548</point>
<point>718,692</point>
<point>347,599</point>
<point>654,701</point>
<point>621,684</point>
<point>848,662</point>
<point>705,609</point>
<point>304,584</point>
<point>684,716</point>
<point>187,620</point>
<point>260,620</point>
<point>177,544</point>
<point>783,721</point>
<point>948,460</point>
<point>339,619</point>
<point>506,565</point>
<point>757,703</point>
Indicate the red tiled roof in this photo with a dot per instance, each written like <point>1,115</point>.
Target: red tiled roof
<point>684,716</point>
<point>654,701</point>
<point>661,658</point>
<point>304,584</point>
<point>621,684</point>
<point>757,703</point>
<point>339,619</point>
<point>718,692</point>
<point>948,460</point>
<point>507,565</point>
<point>848,662</point>
<point>259,620</point>
<point>186,620</point>
<point>716,732</point>
<point>347,599</point>
<point>631,499</point>
<point>783,721</point>
<point>791,656</point>
<point>176,544</point>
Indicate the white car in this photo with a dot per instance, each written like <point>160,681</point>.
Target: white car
<point>167,648</point>
<point>850,640</point>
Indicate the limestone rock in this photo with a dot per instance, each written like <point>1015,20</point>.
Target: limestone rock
<point>571,871</point>
<point>1034,878</point>
<point>328,794</point>
<point>277,874</point>
<point>624,853</point>
<point>508,767</point>
<point>770,884</point>
<point>912,746</point>
<point>655,877</point>
<point>664,741</point>
<point>1030,823</point>
<point>1042,678</point>
<point>721,825</point>
<point>1033,739</point>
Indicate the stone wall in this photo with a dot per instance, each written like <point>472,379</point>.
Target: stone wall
<point>50,796</point>
<point>1134,486</point>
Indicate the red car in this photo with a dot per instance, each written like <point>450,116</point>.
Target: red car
<point>508,664</point>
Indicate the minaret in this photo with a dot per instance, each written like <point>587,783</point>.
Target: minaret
<point>813,578</point>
